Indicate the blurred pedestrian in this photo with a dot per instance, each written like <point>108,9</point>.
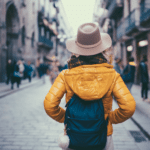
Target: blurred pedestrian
<point>129,73</point>
<point>89,79</point>
<point>34,70</point>
<point>25,71</point>
<point>29,71</point>
<point>62,67</point>
<point>144,78</point>
<point>9,71</point>
<point>116,65</point>
<point>16,76</point>
<point>54,70</point>
<point>37,66</point>
<point>42,69</point>
<point>21,68</point>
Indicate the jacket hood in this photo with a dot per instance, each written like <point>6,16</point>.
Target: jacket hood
<point>90,82</point>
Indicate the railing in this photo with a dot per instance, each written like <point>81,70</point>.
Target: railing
<point>132,20</point>
<point>46,41</point>
<point>129,23</point>
<point>145,11</point>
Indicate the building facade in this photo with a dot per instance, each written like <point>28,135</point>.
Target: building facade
<point>32,29</point>
<point>18,32</point>
<point>129,27</point>
<point>65,31</point>
<point>54,26</point>
<point>46,29</point>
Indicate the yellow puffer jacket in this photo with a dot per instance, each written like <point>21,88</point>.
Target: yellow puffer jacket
<point>91,82</point>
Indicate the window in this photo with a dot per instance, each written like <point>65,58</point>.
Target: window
<point>23,3</point>
<point>142,4</point>
<point>23,35</point>
<point>32,40</point>
<point>129,6</point>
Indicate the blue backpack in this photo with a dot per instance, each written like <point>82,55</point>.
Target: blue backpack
<point>85,124</point>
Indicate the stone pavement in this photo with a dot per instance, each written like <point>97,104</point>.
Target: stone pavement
<point>124,138</point>
<point>142,112</point>
<point>6,89</point>
<point>24,125</point>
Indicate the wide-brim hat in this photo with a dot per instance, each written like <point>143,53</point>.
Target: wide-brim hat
<point>89,40</point>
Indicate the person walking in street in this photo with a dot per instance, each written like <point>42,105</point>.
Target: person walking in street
<point>129,73</point>
<point>144,78</point>
<point>29,71</point>
<point>25,71</point>
<point>116,65</point>
<point>9,71</point>
<point>38,62</point>
<point>21,69</point>
<point>90,79</point>
<point>54,70</point>
<point>16,77</point>
<point>42,69</point>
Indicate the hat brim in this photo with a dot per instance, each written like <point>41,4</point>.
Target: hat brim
<point>106,42</point>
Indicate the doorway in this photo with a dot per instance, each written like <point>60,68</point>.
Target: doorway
<point>12,32</point>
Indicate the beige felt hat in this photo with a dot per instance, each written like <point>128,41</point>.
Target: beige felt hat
<point>89,40</point>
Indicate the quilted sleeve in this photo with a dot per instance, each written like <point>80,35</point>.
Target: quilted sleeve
<point>53,98</point>
<point>125,101</point>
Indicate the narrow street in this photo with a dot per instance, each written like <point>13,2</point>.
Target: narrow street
<point>24,125</point>
<point>42,37</point>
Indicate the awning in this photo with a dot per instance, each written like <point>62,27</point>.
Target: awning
<point>47,58</point>
<point>52,26</point>
<point>51,59</point>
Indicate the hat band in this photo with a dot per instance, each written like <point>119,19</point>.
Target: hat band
<point>88,46</point>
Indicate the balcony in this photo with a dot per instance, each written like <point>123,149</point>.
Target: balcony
<point>43,41</point>
<point>132,21</point>
<point>130,24</point>
<point>145,12</point>
<point>121,30</point>
<point>115,7</point>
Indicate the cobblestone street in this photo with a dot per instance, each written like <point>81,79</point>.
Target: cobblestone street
<point>24,125</point>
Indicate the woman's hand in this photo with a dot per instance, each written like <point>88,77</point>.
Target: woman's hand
<point>65,130</point>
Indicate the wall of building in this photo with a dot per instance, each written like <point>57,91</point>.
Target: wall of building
<point>55,14</point>
<point>137,36</point>
<point>29,20</point>
<point>137,33</point>
<point>64,32</point>
<point>25,15</point>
